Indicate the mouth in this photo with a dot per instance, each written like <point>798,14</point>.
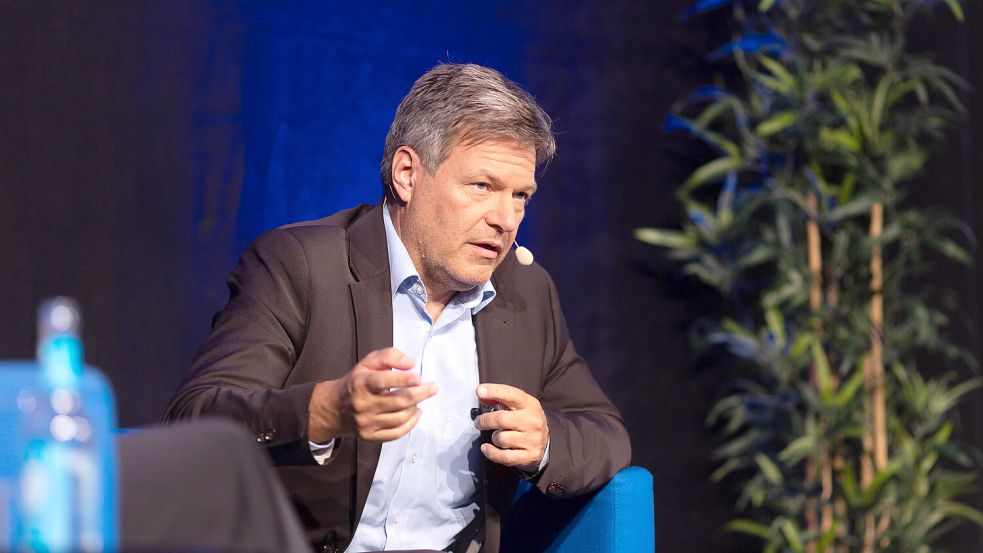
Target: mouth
<point>488,249</point>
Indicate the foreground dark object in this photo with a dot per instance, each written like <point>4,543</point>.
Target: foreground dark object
<point>202,487</point>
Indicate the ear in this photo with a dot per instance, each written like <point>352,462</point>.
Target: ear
<point>407,170</point>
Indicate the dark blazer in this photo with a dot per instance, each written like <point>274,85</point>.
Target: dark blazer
<point>307,301</point>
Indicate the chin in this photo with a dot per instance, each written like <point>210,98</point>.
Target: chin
<point>470,279</point>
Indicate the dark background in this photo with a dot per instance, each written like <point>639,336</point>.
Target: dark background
<point>143,144</point>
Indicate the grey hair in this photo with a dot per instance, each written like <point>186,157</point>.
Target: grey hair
<point>464,103</point>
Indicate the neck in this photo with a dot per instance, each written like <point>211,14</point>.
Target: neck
<point>437,296</point>
<point>437,302</point>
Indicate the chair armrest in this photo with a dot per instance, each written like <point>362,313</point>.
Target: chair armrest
<point>618,518</point>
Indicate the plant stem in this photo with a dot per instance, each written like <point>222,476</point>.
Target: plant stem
<point>824,470</point>
<point>875,437</point>
<point>815,259</point>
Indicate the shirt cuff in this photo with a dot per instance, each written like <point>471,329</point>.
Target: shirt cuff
<point>321,452</point>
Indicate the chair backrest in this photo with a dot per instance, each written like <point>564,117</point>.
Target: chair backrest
<point>618,518</point>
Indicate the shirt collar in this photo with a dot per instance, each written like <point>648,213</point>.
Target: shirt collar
<point>403,274</point>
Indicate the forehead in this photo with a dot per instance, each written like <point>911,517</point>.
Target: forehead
<point>493,155</point>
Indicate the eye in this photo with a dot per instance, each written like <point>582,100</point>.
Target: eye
<point>480,185</point>
<point>524,197</point>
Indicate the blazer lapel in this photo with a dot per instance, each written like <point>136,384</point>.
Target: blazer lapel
<point>372,302</point>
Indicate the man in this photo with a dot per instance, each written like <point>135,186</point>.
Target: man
<point>357,346</point>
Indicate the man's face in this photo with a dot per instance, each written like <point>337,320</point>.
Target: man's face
<point>459,222</point>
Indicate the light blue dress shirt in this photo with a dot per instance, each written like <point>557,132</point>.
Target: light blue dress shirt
<point>425,488</point>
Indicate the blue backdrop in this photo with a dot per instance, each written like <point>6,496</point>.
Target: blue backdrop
<point>321,83</point>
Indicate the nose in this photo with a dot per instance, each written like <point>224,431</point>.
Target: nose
<point>503,215</point>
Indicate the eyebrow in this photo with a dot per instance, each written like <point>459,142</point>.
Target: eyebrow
<point>484,177</point>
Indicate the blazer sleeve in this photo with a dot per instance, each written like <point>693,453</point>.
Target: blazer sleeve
<point>240,369</point>
<point>588,439</point>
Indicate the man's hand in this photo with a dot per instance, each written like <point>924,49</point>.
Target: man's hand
<point>372,400</point>
<point>521,432</point>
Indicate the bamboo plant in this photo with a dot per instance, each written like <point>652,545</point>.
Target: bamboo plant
<point>836,438</point>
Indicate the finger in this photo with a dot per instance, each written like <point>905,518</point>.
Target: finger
<point>385,359</point>
<point>389,434</point>
<point>510,439</point>
<point>498,420</point>
<point>506,395</point>
<point>407,396</point>
<point>375,422</point>
<point>382,381</point>
<point>509,457</point>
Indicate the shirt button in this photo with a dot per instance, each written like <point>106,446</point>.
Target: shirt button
<point>418,290</point>
<point>413,458</point>
<point>396,519</point>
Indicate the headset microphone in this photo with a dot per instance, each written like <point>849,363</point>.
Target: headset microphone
<point>523,255</point>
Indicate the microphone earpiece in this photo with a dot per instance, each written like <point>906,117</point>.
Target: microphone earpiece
<point>523,255</point>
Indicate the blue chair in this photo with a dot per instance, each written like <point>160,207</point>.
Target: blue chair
<point>618,518</point>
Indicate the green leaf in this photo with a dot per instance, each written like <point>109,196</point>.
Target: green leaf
<point>957,10</point>
<point>860,205</point>
<point>726,468</point>
<point>823,373</point>
<point>739,445</point>
<point>878,103</point>
<point>777,123</point>
<point>928,463</point>
<point>725,405</point>
<point>952,395</point>
<point>827,538</point>
<point>769,469</point>
<point>772,83</point>
<point>921,93</point>
<point>765,5</point>
<point>835,139</point>
<point>904,165</point>
<point>841,102</point>
<point>779,71</point>
<point>962,511</point>
<point>848,480</point>
<point>942,436</point>
<point>734,327</point>
<point>943,87</point>
<point>951,250</point>
<point>711,113</point>
<point>901,90</point>
<point>792,535</point>
<point>761,253</point>
<point>712,171</point>
<point>849,388</point>
<point>880,479</point>
<point>749,527</point>
<point>672,239</point>
<point>801,344</point>
<point>797,450</point>
<point>700,130</point>
<point>776,325</point>
<point>838,76</point>
<point>846,188</point>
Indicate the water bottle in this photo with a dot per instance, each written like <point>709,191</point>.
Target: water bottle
<point>66,496</point>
